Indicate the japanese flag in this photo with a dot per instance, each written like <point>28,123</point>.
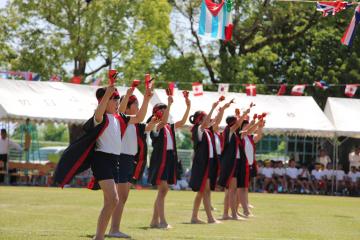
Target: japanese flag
<point>298,90</point>
<point>350,90</point>
<point>223,89</point>
<point>197,89</point>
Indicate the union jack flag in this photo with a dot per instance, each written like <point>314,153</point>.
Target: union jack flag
<point>332,7</point>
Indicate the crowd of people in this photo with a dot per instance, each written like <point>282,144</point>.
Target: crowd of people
<point>274,176</point>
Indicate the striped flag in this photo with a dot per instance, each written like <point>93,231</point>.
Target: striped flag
<point>350,31</point>
<point>215,19</point>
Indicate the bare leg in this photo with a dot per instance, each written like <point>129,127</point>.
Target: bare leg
<point>232,198</point>
<point>163,189</point>
<point>111,199</point>
<point>123,193</point>
<point>207,203</point>
<point>197,202</point>
<point>243,201</point>
<point>226,205</point>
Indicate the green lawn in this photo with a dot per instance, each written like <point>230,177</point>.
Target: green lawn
<point>52,213</point>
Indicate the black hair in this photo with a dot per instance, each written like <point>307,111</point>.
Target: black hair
<point>3,130</point>
<point>129,102</point>
<point>100,92</point>
<point>230,120</point>
<point>194,117</point>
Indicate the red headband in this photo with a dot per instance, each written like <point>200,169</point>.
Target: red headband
<point>199,117</point>
<point>115,95</point>
<point>132,99</point>
<point>157,107</point>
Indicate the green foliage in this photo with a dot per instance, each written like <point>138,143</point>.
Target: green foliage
<point>52,132</point>
<point>183,140</point>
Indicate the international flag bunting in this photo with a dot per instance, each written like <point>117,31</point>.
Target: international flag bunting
<point>223,89</point>
<point>350,31</point>
<point>216,20</point>
<point>250,89</point>
<point>298,90</point>
<point>282,90</point>
<point>333,7</point>
<point>350,89</point>
<point>197,89</point>
<point>55,78</point>
<point>321,84</point>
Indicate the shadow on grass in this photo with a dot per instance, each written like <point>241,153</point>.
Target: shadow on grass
<point>106,236</point>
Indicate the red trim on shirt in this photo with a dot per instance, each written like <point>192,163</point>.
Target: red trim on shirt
<point>141,154</point>
<point>206,174</point>
<point>163,159</point>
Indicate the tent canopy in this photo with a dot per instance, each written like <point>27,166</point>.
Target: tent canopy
<point>286,114</point>
<point>73,103</point>
<point>344,113</point>
<point>49,101</point>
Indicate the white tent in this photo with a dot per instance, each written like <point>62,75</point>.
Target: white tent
<point>286,114</point>
<point>49,101</point>
<point>344,113</point>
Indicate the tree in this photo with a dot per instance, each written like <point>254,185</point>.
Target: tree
<point>277,41</point>
<point>124,34</point>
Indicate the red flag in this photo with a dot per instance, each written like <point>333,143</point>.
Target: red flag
<point>350,89</point>
<point>282,90</point>
<point>197,89</point>
<point>298,90</point>
<point>250,89</point>
<point>76,79</point>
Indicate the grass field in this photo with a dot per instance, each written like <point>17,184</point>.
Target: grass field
<point>52,213</point>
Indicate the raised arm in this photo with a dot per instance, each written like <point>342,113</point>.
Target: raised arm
<point>220,115</point>
<point>150,126</point>
<point>142,111</point>
<point>101,108</point>
<point>239,121</point>
<point>125,100</point>
<point>206,122</point>
<point>259,132</point>
<point>182,122</point>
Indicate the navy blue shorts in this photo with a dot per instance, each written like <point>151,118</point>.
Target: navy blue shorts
<point>110,166</point>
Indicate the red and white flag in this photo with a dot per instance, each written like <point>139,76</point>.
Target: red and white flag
<point>197,89</point>
<point>250,89</point>
<point>282,90</point>
<point>350,89</point>
<point>298,90</point>
<point>223,89</point>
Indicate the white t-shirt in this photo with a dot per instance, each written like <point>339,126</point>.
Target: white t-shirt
<point>169,140</point>
<point>110,139</point>
<point>279,171</point>
<point>249,150</point>
<point>354,176</point>
<point>129,144</point>
<point>324,160</point>
<point>200,134</point>
<point>304,173</point>
<point>6,143</point>
<point>317,174</point>
<point>340,174</point>
<point>267,172</point>
<point>292,172</point>
<point>217,144</point>
<point>354,160</point>
<point>328,173</point>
